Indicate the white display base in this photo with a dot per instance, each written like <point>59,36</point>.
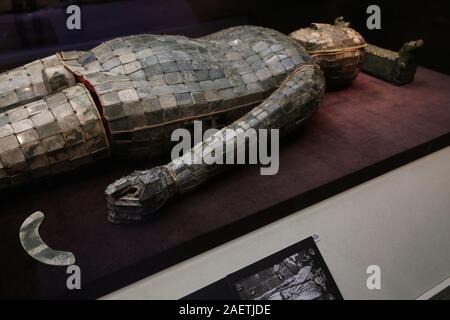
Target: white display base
<point>399,221</point>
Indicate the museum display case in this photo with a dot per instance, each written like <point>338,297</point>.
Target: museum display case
<point>330,97</point>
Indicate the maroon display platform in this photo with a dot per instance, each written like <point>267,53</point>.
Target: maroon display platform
<point>359,133</point>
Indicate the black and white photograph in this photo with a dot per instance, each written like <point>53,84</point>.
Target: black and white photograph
<point>296,273</point>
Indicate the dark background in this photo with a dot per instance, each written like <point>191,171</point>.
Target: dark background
<point>30,29</point>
